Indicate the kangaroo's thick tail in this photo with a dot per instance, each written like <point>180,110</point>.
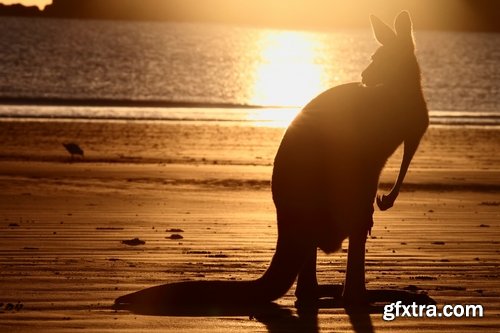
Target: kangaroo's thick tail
<point>276,281</point>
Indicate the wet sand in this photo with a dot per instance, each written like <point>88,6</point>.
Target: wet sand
<point>199,197</point>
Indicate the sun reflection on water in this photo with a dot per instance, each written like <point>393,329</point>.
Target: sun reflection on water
<point>290,72</point>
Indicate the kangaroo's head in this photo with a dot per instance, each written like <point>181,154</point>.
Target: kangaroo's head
<point>394,62</point>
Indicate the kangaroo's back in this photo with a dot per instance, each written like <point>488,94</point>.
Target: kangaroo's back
<point>330,158</point>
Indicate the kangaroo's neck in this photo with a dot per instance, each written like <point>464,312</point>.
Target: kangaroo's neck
<point>409,85</point>
<point>412,92</point>
<point>408,90</point>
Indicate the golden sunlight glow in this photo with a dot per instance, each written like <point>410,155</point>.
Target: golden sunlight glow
<point>289,73</point>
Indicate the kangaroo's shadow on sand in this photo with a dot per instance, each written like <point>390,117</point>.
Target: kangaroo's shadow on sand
<point>275,317</point>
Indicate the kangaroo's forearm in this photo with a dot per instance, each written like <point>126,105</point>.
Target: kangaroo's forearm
<point>410,147</point>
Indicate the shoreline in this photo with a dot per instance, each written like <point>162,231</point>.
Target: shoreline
<point>443,147</point>
<point>94,109</point>
<point>62,101</point>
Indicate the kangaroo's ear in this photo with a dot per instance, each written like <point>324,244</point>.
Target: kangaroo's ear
<point>383,33</point>
<point>403,26</point>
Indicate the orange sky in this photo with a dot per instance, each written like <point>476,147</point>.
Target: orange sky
<point>40,3</point>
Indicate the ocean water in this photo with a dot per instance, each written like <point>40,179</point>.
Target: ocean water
<point>209,65</point>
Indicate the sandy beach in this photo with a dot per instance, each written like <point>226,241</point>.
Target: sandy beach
<point>199,198</point>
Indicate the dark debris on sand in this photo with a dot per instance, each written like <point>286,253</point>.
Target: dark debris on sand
<point>175,236</point>
<point>133,242</point>
<point>10,307</point>
<point>490,203</point>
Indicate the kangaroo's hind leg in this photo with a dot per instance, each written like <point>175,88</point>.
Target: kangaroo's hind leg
<point>307,283</point>
<point>354,287</point>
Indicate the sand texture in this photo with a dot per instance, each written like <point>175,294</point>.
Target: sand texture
<point>197,198</point>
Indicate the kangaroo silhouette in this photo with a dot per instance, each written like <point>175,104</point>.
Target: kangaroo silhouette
<point>325,179</point>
